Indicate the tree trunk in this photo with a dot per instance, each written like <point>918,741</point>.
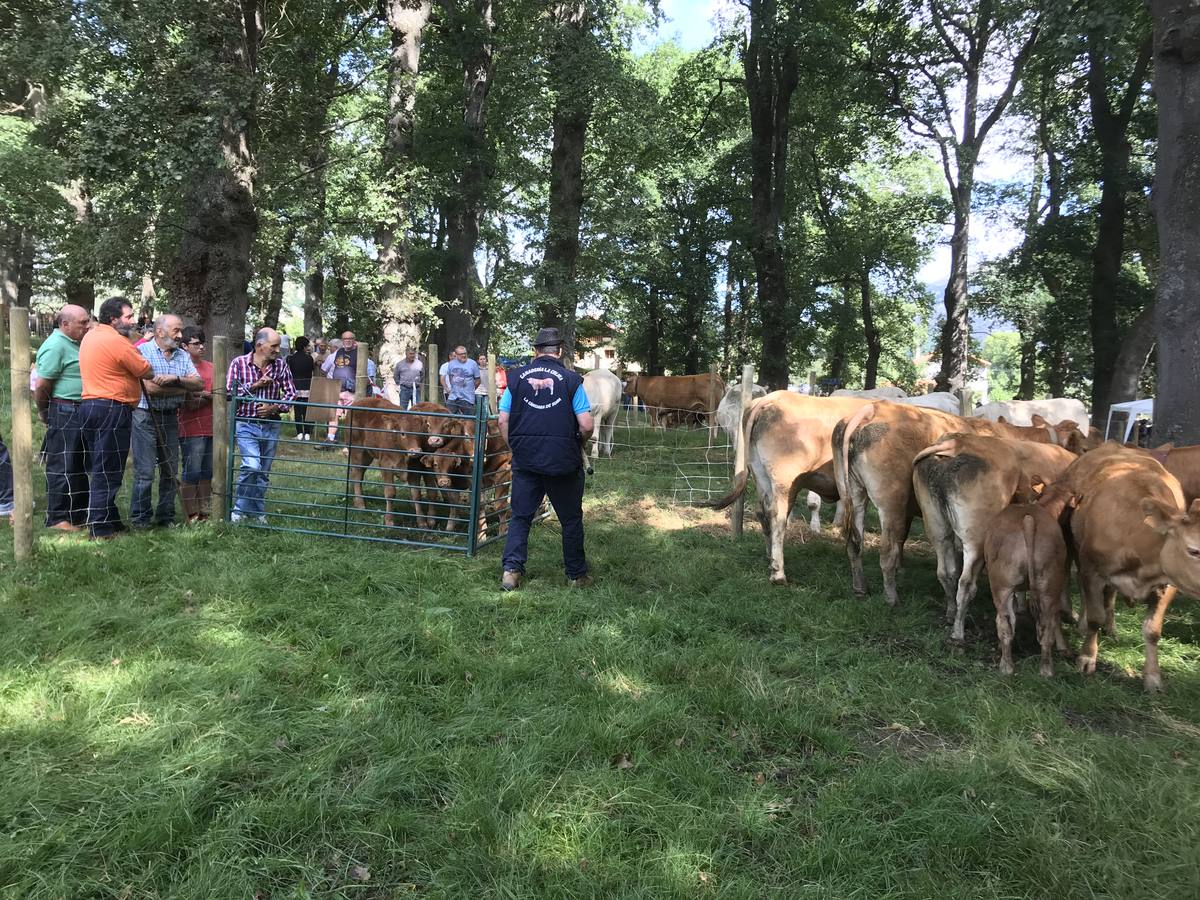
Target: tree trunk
<point>278,264</point>
<point>314,295</point>
<point>212,268</point>
<point>654,337</point>
<point>870,332</point>
<point>80,282</point>
<point>769,59</point>
<point>148,297</point>
<point>400,300</point>
<point>727,320</point>
<point>1110,127</point>
<point>10,244</point>
<point>341,300</point>
<point>1177,210</point>
<point>1132,357</point>
<point>460,312</point>
<point>572,113</point>
<point>1028,385</point>
<point>955,340</point>
<point>25,254</point>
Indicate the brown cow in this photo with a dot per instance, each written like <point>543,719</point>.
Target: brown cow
<point>1131,534</point>
<point>381,432</point>
<point>1025,550</point>
<point>671,393</point>
<point>961,484</point>
<point>788,449</point>
<point>876,447</point>
<point>1184,464</point>
<point>450,471</point>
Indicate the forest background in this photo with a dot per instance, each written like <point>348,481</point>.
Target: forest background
<point>783,184</point>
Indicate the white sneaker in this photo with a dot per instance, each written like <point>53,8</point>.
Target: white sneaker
<point>260,520</point>
<point>236,517</point>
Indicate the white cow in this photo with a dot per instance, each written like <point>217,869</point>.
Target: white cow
<point>882,393</point>
<point>942,400</point>
<point>729,417</point>
<point>603,389</point>
<point>1021,412</point>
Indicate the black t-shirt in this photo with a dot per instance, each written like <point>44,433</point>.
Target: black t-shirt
<point>301,364</point>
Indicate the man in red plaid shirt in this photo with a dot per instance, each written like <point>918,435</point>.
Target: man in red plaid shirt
<point>262,383</point>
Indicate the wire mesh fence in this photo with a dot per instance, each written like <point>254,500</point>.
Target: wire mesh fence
<point>672,454</point>
<point>423,477</point>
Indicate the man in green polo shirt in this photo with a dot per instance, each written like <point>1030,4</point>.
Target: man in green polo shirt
<point>58,393</point>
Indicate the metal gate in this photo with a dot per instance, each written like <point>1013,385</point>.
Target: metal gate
<point>451,488</point>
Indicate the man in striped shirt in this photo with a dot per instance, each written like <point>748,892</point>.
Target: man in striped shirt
<point>263,385</point>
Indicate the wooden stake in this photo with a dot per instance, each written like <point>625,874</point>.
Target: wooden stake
<point>431,373</point>
<point>20,447</point>
<point>713,402</point>
<point>738,514</point>
<point>220,405</point>
<point>491,383</point>
<point>361,381</point>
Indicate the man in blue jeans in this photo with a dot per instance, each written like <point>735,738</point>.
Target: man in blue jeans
<point>155,438</point>
<point>545,417</point>
<point>262,383</point>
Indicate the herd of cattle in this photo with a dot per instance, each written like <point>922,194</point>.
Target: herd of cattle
<point>1023,487</point>
<point>1019,487</point>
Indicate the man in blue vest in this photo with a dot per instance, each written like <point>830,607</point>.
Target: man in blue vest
<point>545,416</point>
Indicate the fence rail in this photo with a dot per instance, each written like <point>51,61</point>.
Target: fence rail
<point>419,477</point>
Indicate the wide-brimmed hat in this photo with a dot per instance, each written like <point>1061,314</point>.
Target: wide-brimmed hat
<point>547,337</point>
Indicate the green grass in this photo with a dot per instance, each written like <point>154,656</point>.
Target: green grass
<point>209,712</point>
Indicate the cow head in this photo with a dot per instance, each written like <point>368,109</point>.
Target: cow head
<point>1180,554</point>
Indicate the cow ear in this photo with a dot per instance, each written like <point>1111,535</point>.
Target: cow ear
<point>1193,512</point>
<point>1037,484</point>
<point>1001,420</point>
<point>1038,421</point>
<point>1156,517</point>
<point>1165,448</point>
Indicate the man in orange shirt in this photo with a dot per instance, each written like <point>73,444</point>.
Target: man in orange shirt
<point>111,370</point>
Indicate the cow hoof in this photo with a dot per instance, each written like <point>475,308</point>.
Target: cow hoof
<point>959,648</point>
<point>1110,630</point>
<point>1086,664</point>
<point>1046,671</point>
<point>1153,684</point>
<point>1007,669</point>
<point>778,579</point>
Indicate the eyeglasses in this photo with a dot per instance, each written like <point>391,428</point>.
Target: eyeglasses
<point>195,344</point>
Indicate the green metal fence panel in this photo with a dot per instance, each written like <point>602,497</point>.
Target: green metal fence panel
<point>420,478</point>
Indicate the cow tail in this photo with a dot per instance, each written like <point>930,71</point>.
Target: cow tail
<point>864,415</point>
<point>1029,527</point>
<point>740,477</point>
<point>945,448</point>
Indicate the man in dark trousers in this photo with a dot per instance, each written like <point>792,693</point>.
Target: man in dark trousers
<point>545,416</point>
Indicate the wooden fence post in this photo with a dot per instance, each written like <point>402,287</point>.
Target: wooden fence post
<point>361,381</point>
<point>431,373</point>
<point>21,440</point>
<point>491,384</point>
<point>739,451</point>
<point>713,402</point>
<point>220,403</point>
<point>812,382</point>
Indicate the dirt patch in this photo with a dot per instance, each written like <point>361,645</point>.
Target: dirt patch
<point>908,741</point>
<point>648,513</point>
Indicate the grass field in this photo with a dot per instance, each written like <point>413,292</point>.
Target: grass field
<point>212,713</point>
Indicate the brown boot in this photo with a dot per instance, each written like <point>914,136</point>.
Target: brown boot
<point>584,581</point>
<point>511,581</point>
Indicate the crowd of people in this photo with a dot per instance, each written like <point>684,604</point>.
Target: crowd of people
<point>111,386</point>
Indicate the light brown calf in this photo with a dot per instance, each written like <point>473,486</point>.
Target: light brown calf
<point>874,460</point>
<point>1184,464</point>
<point>961,484</point>
<point>1025,550</point>
<point>1131,535</point>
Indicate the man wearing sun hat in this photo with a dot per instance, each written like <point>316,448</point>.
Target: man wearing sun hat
<point>545,416</point>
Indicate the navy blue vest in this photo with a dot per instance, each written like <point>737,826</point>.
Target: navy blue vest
<point>541,423</point>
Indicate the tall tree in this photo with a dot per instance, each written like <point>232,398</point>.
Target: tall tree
<point>211,271</point>
<point>927,50</point>
<point>403,305</point>
<point>1177,209</point>
<point>770,59</point>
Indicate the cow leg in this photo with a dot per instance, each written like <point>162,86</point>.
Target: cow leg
<point>1047,600</point>
<point>358,470</point>
<point>1006,618</point>
<point>777,514</point>
<point>814,511</point>
<point>838,512</point>
<point>858,527</point>
<point>1110,612</point>
<point>608,435</point>
<point>1092,586</point>
<point>972,563</point>
<point>1156,609</point>
<point>389,493</point>
<point>949,571</point>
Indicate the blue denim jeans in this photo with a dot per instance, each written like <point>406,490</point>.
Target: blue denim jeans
<point>66,466</point>
<point>155,444</point>
<point>197,459</point>
<point>106,426</point>
<point>566,496</point>
<point>6,481</point>
<point>256,445</point>
<point>408,394</point>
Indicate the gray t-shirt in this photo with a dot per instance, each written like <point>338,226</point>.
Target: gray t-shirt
<point>409,373</point>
